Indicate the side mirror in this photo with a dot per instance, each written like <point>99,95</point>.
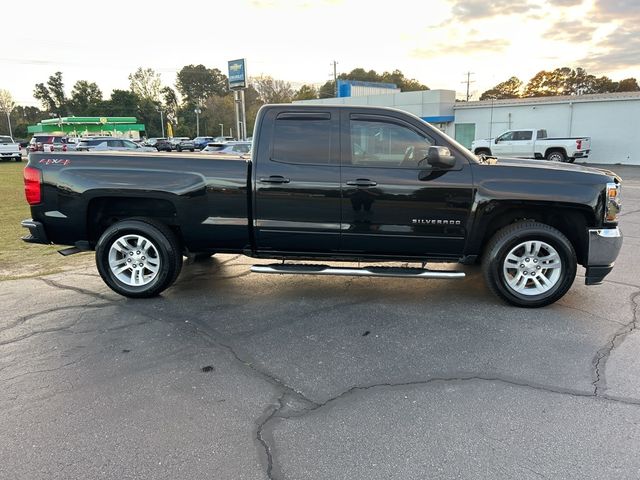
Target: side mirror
<point>496,141</point>
<point>440,157</point>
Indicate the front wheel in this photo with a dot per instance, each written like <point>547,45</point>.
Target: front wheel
<point>138,258</point>
<point>529,264</point>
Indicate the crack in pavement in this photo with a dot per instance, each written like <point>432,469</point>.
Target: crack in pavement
<point>31,316</point>
<point>602,355</point>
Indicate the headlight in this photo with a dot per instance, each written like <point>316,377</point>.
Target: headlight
<point>613,204</point>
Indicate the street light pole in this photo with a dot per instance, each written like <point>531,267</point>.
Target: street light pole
<point>9,122</point>
<point>221,129</point>
<point>197,111</point>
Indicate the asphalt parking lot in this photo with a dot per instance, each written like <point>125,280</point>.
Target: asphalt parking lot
<point>233,375</point>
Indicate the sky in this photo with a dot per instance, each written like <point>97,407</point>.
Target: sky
<point>434,41</point>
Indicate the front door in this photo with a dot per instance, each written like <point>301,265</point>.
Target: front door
<point>297,182</point>
<point>393,203</point>
<point>522,144</point>
<point>503,145</point>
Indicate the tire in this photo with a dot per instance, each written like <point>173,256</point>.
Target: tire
<point>556,156</point>
<point>161,247</point>
<point>571,160</point>
<point>179,149</point>
<point>504,276</point>
<point>191,149</point>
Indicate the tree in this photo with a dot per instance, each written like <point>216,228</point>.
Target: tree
<point>52,94</point>
<point>6,106</point>
<point>628,85</point>
<point>197,82</point>
<point>306,92</point>
<point>566,81</point>
<point>328,90</point>
<point>170,103</point>
<point>123,103</point>
<point>146,84</point>
<point>86,98</point>
<point>508,89</point>
<point>271,90</point>
<point>403,83</point>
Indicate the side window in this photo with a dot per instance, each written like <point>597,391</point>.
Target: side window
<point>302,140</point>
<point>523,135</point>
<point>542,134</point>
<point>505,137</point>
<point>383,144</point>
<point>129,144</point>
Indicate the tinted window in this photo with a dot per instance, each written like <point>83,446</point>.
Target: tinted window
<point>382,144</point>
<point>129,144</point>
<point>522,135</point>
<point>5,139</point>
<point>505,137</point>
<point>542,134</point>
<point>302,140</point>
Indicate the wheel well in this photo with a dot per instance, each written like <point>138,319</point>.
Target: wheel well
<point>572,222</point>
<point>555,149</point>
<point>103,212</point>
<point>481,150</point>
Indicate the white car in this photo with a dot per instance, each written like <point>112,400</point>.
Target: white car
<point>228,148</point>
<point>533,143</point>
<point>9,149</point>
<point>111,144</point>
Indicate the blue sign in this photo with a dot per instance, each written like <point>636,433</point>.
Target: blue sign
<point>237,74</point>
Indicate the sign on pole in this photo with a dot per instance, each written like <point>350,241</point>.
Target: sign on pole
<point>237,74</point>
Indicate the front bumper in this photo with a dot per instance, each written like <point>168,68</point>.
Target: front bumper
<point>36,232</point>
<point>604,246</point>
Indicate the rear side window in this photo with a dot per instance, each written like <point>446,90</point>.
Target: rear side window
<point>542,134</point>
<point>302,139</point>
<point>522,135</point>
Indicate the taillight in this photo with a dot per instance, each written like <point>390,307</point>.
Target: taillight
<point>578,144</point>
<point>32,185</point>
<point>64,147</point>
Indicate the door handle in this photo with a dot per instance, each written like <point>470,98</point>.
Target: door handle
<point>361,182</point>
<point>274,179</point>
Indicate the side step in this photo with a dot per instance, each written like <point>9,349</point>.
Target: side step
<point>301,269</point>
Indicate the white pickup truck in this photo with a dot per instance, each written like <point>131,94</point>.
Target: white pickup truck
<point>9,149</point>
<point>533,143</point>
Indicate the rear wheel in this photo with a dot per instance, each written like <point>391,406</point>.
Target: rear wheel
<point>483,151</point>
<point>556,156</point>
<point>138,258</point>
<point>529,264</point>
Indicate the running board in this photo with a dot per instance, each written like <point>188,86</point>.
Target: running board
<point>301,269</point>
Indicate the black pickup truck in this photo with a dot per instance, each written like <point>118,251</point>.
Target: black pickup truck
<point>332,183</point>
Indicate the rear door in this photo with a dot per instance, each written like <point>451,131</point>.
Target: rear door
<point>394,203</point>
<point>297,181</point>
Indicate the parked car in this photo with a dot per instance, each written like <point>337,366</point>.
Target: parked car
<point>534,143</point>
<point>186,145</point>
<point>175,141</point>
<point>48,143</point>
<point>112,144</point>
<point>319,188</point>
<point>151,142</point>
<point>163,145</point>
<point>222,139</point>
<point>200,142</point>
<point>229,148</point>
<point>9,149</point>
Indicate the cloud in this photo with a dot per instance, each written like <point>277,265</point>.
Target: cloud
<point>619,50</point>
<point>572,31</point>
<point>617,10</point>
<point>467,10</point>
<point>466,47</point>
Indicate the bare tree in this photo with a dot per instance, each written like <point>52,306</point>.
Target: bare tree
<point>145,82</point>
<point>272,91</point>
<point>7,105</point>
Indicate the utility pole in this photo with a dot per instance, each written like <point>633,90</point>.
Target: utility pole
<point>468,81</point>
<point>335,78</point>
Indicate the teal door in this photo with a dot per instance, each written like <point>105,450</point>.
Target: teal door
<point>466,133</point>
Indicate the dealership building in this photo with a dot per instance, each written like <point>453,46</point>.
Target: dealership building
<point>127,127</point>
<point>612,120</point>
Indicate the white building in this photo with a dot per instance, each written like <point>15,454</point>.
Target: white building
<point>612,120</point>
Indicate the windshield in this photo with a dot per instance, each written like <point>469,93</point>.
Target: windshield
<point>4,139</point>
